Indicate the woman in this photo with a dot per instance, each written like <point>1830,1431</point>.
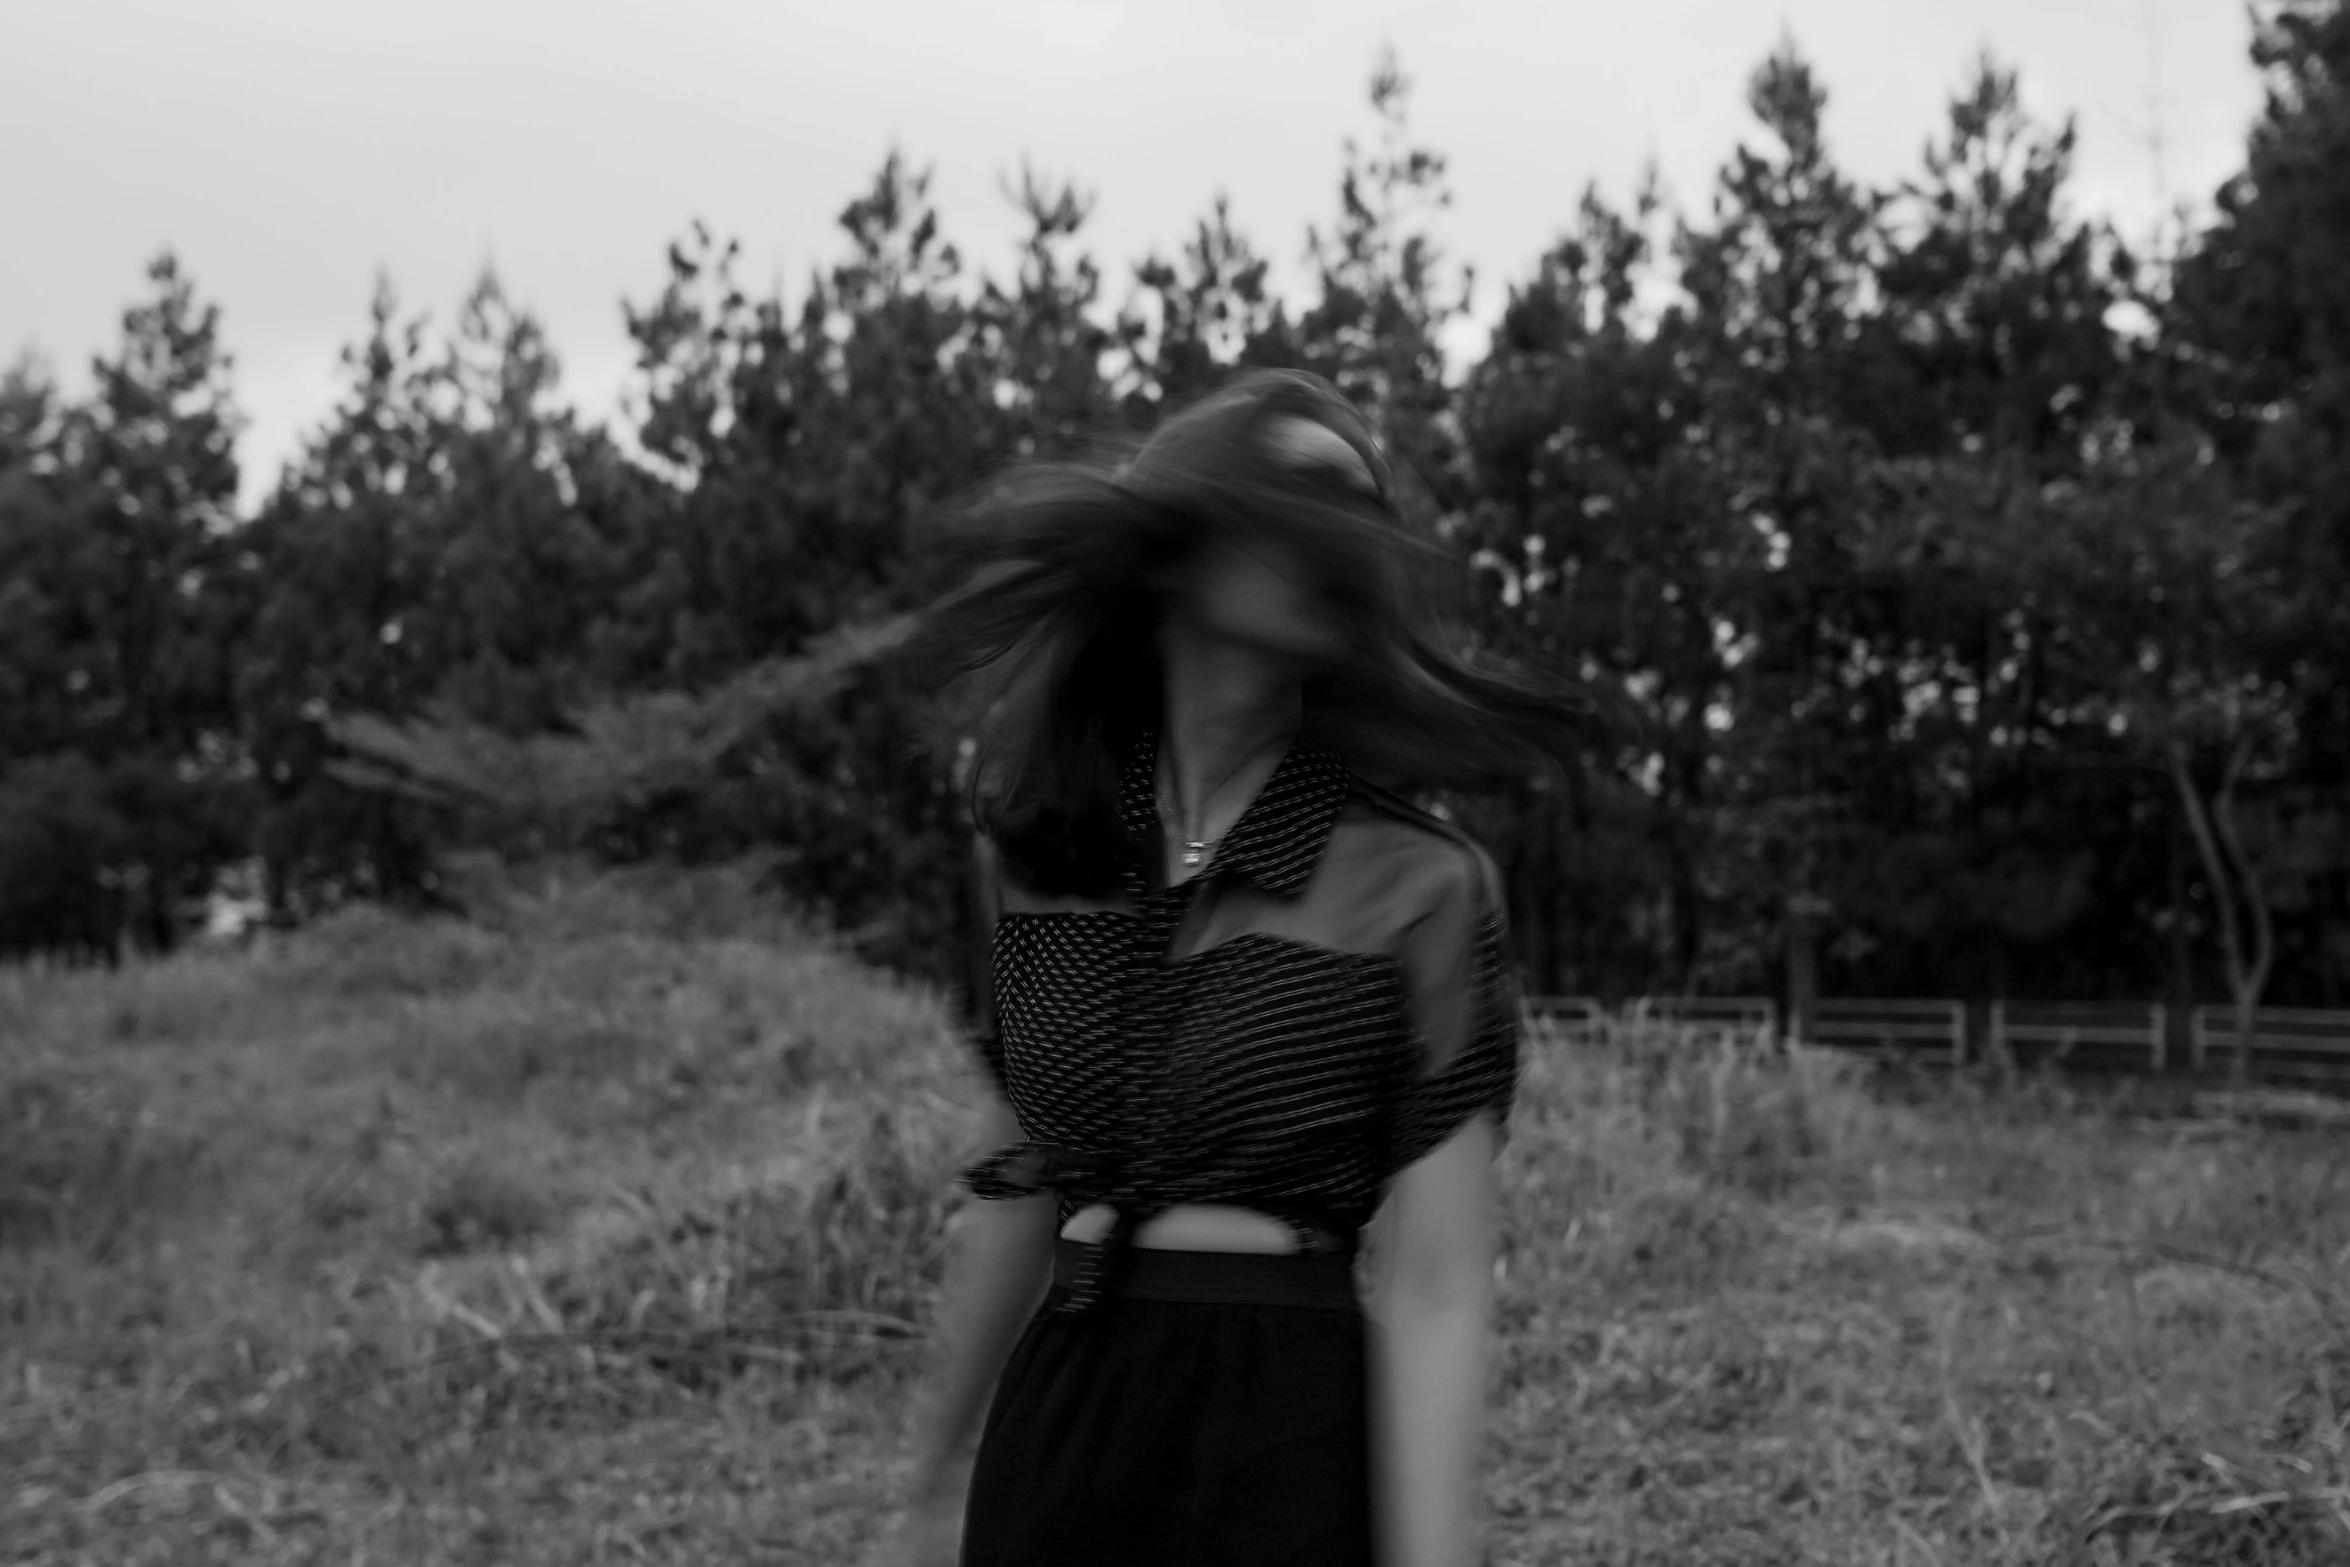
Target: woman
<point>1247,997</point>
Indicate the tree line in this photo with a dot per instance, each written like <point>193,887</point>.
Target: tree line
<point>1971,588</point>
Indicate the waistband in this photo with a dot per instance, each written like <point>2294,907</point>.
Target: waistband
<point>1221,1278</point>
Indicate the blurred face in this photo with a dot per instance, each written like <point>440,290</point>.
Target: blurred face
<point>1260,589</point>
<point>1262,593</point>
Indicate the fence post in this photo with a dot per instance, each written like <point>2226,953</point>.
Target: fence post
<point>1804,912</point>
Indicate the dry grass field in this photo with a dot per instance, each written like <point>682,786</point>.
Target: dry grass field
<point>601,1227</point>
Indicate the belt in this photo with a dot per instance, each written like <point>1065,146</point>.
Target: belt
<point>1222,1278</point>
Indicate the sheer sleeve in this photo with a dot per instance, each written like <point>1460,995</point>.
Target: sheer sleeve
<point>986,911</point>
<point>1000,1174</point>
<point>1464,1008</point>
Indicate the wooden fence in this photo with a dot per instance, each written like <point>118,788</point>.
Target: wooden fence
<point>2288,1046</point>
<point>1577,1015</point>
<point>1932,1032</point>
<point>1572,1017</point>
<point>2090,1036</point>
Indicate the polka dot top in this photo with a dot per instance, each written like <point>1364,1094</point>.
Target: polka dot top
<point>1325,1002</point>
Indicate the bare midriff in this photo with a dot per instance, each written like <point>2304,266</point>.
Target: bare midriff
<point>1190,1226</point>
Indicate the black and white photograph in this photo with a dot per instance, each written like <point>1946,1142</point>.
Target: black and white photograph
<point>1257,783</point>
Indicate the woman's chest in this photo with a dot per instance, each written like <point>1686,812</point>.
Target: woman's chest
<point>1092,1019</point>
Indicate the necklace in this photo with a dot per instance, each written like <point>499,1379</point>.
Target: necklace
<point>1195,850</point>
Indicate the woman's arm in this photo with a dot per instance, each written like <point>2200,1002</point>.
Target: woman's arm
<point>1430,1308</point>
<point>1000,1251</point>
<point>999,1263</point>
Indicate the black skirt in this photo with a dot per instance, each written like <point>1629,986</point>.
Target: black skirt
<point>1213,1411</point>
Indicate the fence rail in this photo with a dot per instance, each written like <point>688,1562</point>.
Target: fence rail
<point>2287,1045</point>
<point>2090,1035</point>
<point>1574,1014</point>
<point>1930,1031</point>
<point>2294,1046</point>
<point>1749,1013</point>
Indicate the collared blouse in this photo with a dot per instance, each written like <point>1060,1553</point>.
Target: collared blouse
<point>1323,1004</point>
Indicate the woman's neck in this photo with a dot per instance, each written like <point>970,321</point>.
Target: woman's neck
<point>1231,711</point>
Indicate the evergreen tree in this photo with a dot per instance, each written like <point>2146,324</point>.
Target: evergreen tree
<point>121,749</point>
<point>339,562</point>
<point>1193,318</point>
<point>1385,300</point>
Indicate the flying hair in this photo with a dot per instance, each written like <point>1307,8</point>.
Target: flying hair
<point>1053,629</point>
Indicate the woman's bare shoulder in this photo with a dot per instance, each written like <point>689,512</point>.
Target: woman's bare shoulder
<point>1387,852</point>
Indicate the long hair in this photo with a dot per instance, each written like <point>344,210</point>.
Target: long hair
<point>1057,618</point>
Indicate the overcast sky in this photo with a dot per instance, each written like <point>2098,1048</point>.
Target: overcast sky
<point>288,149</point>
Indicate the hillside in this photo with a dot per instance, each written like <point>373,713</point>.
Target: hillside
<point>600,1227</point>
